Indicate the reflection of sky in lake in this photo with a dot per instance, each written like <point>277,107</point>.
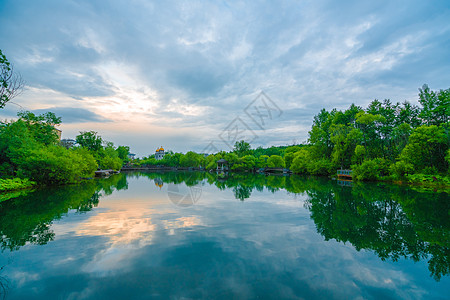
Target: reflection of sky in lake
<point>137,244</point>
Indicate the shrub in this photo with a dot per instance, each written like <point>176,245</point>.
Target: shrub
<point>300,161</point>
<point>321,167</point>
<point>56,165</point>
<point>401,168</point>
<point>371,169</point>
<point>15,184</point>
<point>275,161</point>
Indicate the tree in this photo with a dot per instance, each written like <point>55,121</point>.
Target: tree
<point>11,83</point>
<point>426,149</point>
<point>319,136</point>
<point>275,161</point>
<point>300,162</point>
<point>42,127</point>
<point>123,152</point>
<point>89,140</point>
<point>436,105</point>
<point>191,159</point>
<point>241,148</point>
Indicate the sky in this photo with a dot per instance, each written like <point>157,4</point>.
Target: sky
<point>199,75</point>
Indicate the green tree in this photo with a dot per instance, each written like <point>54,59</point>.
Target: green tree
<point>426,148</point>
<point>261,161</point>
<point>90,140</point>
<point>319,136</point>
<point>241,148</point>
<point>300,162</point>
<point>42,127</point>
<point>288,158</point>
<point>345,139</point>
<point>360,153</point>
<point>191,159</point>
<point>123,152</point>
<point>275,161</point>
<point>108,158</point>
<point>435,105</point>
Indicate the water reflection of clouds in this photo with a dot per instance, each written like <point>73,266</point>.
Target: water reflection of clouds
<point>182,222</point>
<point>121,227</point>
<point>128,228</point>
<point>219,248</point>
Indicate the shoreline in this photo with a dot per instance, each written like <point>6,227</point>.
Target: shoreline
<point>437,187</point>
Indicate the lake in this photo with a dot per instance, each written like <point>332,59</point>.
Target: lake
<point>195,235</point>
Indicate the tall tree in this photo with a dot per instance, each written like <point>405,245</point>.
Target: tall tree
<point>241,148</point>
<point>436,105</point>
<point>90,140</point>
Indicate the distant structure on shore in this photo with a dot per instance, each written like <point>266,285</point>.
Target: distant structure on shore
<point>159,154</point>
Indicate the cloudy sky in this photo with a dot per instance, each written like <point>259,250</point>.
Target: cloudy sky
<point>188,75</point>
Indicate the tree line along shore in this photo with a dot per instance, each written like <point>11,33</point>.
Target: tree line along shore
<point>384,141</point>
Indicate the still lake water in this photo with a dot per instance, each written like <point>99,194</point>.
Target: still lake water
<point>197,235</point>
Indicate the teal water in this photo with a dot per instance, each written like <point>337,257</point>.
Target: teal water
<point>202,236</point>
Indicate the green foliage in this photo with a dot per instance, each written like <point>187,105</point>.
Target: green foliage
<point>400,169</point>
<point>300,162</point>
<point>29,149</point>
<point>436,106</point>
<point>242,148</point>
<point>261,162</point>
<point>408,138</point>
<point>345,139</point>
<point>426,148</point>
<point>15,184</point>
<point>321,167</point>
<point>108,158</point>
<point>55,165</point>
<point>192,159</point>
<point>275,161</point>
<point>268,151</point>
<point>447,157</point>
<point>427,178</point>
<point>41,128</point>
<point>90,140</point>
<point>123,151</point>
<point>360,153</point>
<point>292,149</point>
<point>372,169</point>
<point>288,158</point>
<point>246,163</point>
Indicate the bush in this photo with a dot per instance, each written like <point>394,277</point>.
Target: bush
<point>275,161</point>
<point>15,184</point>
<point>110,163</point>
<point>426,178</point>
<point>371,169</point>
<point>300,161</point>
<point>401,168</point>
<point>321,167</point>
<point>56,165</point>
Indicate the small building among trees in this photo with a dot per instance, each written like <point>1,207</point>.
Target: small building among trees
<point>222,165</point>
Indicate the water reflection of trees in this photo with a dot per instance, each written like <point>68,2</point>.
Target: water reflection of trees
<point>392,221</point>
<point>27,218</point>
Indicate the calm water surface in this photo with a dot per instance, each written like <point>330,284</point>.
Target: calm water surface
<point>198,235</point>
